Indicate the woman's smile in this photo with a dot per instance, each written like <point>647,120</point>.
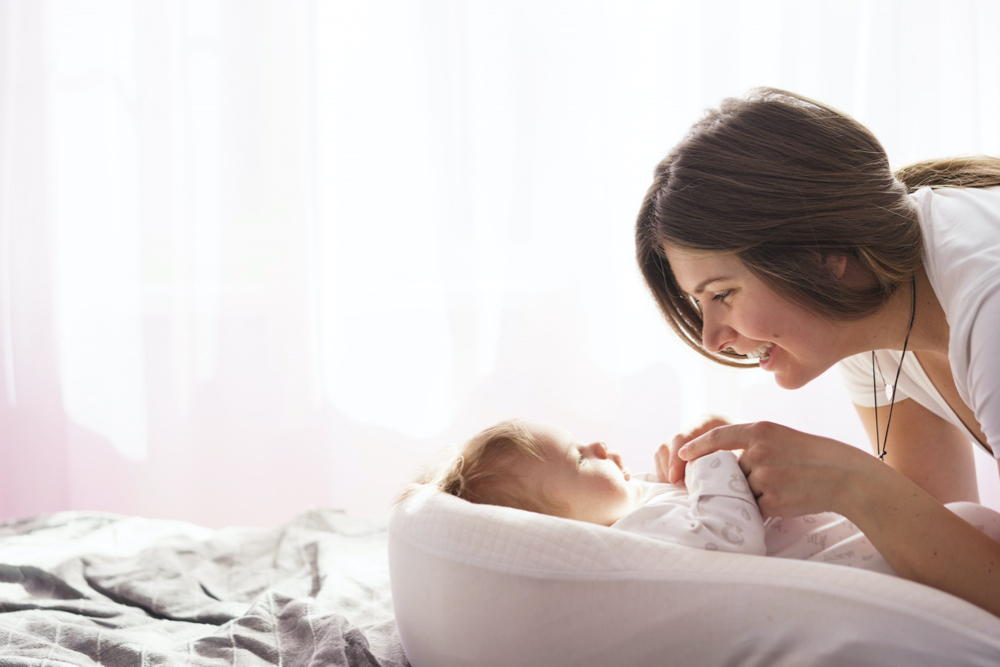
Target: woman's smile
<point>742,313</point>
<point>763,353</point>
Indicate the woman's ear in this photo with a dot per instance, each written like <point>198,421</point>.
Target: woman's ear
<point>837,263</point>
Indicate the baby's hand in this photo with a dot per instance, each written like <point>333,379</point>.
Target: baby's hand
<point>669,466</point>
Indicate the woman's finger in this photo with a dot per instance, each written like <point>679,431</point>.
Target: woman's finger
<point>710,422</point>
<point>736,436</point>
<point>669,465</point>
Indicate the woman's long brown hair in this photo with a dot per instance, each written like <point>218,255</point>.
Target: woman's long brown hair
<point>782,181</point>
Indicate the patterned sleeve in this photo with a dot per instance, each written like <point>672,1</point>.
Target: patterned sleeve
<point>722,514</point>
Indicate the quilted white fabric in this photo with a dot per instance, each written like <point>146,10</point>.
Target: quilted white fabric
<point>483,585</point>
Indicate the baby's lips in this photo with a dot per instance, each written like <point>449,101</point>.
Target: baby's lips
<point>627,474</point>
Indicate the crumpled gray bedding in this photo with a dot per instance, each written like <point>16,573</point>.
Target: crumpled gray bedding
<point>99,589</point>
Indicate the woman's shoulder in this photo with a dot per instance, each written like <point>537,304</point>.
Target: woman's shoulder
<point>964,211</point>
<point>961,234</point>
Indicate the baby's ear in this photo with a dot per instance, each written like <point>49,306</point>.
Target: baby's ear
<point>836,262</point>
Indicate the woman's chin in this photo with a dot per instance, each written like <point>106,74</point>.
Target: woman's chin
<point>788,374</point>
<point>796,379</point>
<point>787,383</point>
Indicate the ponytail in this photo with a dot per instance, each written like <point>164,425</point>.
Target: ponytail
<point>974,171</point>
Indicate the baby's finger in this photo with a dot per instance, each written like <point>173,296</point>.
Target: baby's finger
<point>676,466</point>
<point>662,460</point>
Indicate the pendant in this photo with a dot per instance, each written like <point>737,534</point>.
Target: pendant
<point>888,392</point>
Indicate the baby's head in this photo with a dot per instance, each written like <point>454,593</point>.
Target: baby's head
<point>541,468</point>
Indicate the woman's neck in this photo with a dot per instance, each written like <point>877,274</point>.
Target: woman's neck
<point>930,326</point>
<point>887,329</point>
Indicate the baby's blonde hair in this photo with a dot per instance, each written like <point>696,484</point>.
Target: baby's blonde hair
<point>483,472</point>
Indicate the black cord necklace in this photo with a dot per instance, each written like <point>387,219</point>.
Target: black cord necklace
<point>881,448</point>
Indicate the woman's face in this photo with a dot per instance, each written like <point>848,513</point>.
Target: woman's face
<point>741,312</point>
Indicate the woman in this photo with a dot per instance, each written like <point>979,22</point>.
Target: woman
<point>776,235</point>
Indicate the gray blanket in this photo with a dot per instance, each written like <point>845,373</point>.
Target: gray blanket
<point>312,592</point>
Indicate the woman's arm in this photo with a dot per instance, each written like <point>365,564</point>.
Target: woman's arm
<point>925,542</point>
<point>793,473</point>
<point>932,453</point>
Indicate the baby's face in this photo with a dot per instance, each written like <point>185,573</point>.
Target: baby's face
<point>588,479</point>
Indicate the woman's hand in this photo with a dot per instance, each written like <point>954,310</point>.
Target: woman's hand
<point>669,466</point>
<point>790,473</point>
<point>793,473</point>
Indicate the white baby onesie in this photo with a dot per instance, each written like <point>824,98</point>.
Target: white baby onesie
<point>717,511</point>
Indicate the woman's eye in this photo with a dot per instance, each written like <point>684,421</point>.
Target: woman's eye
<point>722,296</point>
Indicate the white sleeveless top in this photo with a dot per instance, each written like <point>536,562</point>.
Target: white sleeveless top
<point>961,234</point>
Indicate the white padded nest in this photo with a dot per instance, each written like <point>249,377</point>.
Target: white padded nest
<point>483,585</point>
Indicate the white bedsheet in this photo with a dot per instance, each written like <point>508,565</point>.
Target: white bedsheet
<point>483,585</point>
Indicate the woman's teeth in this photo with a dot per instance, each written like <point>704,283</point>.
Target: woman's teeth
<point>762,352</point>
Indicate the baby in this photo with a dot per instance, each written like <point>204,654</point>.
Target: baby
<point>543,468</point>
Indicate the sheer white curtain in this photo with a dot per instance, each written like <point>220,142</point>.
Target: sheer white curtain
<point>258,255</point>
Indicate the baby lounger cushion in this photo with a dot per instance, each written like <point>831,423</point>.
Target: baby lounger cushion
<point>484,585</point>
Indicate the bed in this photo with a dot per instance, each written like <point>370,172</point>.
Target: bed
<point>470,585</point>
<point>80,588</point>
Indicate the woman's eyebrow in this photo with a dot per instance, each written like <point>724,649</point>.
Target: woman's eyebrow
<point>705,283</point>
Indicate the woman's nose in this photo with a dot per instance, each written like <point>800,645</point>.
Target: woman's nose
<point>715,335</point>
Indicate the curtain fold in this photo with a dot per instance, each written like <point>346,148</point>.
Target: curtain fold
<point>259,255</point>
